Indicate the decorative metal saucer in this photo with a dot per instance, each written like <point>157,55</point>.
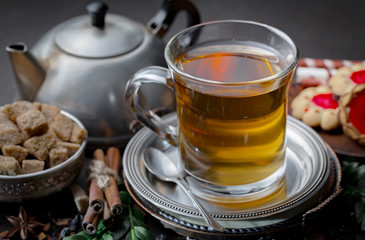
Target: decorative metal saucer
<point>313,175</point>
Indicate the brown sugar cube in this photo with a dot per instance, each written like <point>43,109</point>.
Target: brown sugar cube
<point>50,112</point>
<point>39,146</point>
<point>71,147</point>
<point>62,127</point>
<point>32,123</point>
<point>78,134</point>
<point>18,152</point>
<point>17,108</point>
<point>9,132</point>
<point>35,148</point>
<point>32,166</point>
<point>57,156</point>
<point>49,139</point>
<point>9,166</point>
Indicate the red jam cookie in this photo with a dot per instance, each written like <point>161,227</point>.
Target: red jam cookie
<point>347,78</point>
<point>316,107</point>
<point>352,113</point>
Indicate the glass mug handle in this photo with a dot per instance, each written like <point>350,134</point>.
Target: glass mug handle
<point>146,116</point>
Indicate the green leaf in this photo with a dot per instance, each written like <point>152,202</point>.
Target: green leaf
<point>361,192</point>
<point>120,228</point>
<point>352,171</point>
<point>142,233</point>
<point>130,236</point>
<point>101,228</point>
<point>138,217</point>
<point>107,236</point>
<point>138,222</point>
<point>101,224</point>
<point>360,211</point>
<point>79,236</point>
<point>137,214</point>
<point>125,197</point>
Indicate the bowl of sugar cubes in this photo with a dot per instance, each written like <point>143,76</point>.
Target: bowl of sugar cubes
<point>42,150</point>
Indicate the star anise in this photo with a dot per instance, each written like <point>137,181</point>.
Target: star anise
<point>23,224</point>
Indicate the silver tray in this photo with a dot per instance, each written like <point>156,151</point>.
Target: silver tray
<point>312,175</point>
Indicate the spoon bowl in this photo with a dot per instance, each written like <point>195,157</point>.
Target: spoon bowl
<point>163,167</point>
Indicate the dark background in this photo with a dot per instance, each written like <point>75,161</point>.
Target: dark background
<point>321,29</point>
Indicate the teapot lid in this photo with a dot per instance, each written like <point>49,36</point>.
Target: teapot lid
<point>102,36</point>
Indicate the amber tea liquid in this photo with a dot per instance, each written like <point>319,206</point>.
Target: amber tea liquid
<point>231,135</point>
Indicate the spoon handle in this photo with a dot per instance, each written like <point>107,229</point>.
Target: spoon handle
<point>208,218</point>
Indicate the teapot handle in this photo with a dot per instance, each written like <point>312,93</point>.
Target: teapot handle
<point>161,22</point>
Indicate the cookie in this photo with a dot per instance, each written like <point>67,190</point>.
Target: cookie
<point>352,114</point>
<point>316,107</point>
<point>347,78</point>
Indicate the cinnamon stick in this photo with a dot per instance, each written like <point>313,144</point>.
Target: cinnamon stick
<point>107,218</point>
<point>113,198</point>
<point>96,196</point>
<point>99,155</point>
<point>111,192</point>
<point>92,227</point>
<point>113,158</point>
<point>90,218</point>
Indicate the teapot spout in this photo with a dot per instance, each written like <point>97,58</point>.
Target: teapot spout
<point>29,73</point>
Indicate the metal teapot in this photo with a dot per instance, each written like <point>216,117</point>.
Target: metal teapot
<point>82,65</point>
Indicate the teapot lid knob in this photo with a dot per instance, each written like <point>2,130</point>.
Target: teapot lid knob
<point>97,11</point>
<point>108,35</point>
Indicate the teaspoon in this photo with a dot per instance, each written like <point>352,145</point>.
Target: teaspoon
<point>166,169</point>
